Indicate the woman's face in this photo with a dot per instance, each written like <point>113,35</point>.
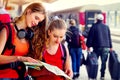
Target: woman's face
<point>33,18</point>
<point>57,35</point>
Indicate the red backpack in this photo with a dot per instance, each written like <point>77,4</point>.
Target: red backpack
<point>5,23</point>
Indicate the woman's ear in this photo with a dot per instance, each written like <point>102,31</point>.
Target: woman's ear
<point>49,32</point>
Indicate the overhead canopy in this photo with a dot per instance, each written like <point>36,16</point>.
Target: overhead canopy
<point>56,5</point>
<point>28,1</point>
<point>20,3</point>
<point>65,4</point>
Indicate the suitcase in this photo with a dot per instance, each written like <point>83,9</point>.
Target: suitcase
<point>92,65</point>
<point>114,66</point>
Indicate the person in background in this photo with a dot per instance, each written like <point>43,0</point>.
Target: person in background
<point>4,15</point>
<point>73,40</point>
<point>99,39</point>
<point>25,38</point>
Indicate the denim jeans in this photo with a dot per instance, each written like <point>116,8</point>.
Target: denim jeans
<point>75,57</point>
<point>103,53</point>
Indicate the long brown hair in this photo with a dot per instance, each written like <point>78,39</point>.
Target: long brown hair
<point>37,42</point>
<point>39,38</point>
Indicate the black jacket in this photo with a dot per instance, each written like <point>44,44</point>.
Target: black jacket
<point>73,37</point>
<point>99,36</point>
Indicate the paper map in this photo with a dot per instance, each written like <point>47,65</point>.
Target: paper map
<point>51,68</point>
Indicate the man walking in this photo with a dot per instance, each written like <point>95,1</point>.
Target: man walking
<point>99,38</point>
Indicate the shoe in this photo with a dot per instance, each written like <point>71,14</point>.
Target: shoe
<point>102,78</point>
<point>77,75</point>
<point>74,78</point>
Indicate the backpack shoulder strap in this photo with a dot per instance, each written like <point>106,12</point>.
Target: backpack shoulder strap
<point>64,53</point>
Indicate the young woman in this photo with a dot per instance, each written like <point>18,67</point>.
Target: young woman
<point>74,44</point>
<point>23,41</point>
<point>52,53</point>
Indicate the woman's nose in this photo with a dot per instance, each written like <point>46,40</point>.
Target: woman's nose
<point>36,22</point>
<point>58,40</point>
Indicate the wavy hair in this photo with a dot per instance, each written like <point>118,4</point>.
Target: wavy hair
<point>37,42</point>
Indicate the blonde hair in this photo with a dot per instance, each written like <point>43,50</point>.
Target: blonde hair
<point>55,24</point>
<point>72,22</point>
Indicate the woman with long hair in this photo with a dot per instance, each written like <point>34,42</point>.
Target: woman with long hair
<point>26,38</point>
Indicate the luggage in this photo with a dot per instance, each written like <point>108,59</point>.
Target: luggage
<point>114,66</point>
<point>92,65</point>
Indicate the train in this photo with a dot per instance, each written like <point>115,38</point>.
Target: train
<point>83,15</point>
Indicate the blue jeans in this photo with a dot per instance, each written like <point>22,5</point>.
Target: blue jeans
<point>75,57</point>
<point>103,53</point>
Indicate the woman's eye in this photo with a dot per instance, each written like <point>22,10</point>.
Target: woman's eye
<point>61,36</point>
<point>55,36</point>
<point>36,17</point>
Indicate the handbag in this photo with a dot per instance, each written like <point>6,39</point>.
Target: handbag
<point>83,44</point>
